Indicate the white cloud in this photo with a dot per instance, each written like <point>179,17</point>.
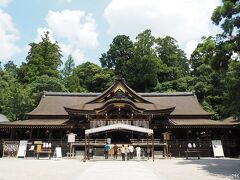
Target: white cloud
<point>77,27</point>
<point>8,36</point>
<point>77,54</point>
<point>185,20</point>
<point>4,3</point>
<point>190,47</point>
<point>74,30</point>
<point>40,33</point>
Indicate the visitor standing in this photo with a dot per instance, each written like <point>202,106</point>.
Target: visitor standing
<point>127,152</point>
<point>106,150</point>
<point>123,151</point>
<point>131,151</point>
<point>115,149</point>
<point>90,153</point>
<point>138,150</point>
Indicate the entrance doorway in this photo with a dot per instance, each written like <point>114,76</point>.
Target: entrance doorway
<point>119,137</point>
<point>118,134</point>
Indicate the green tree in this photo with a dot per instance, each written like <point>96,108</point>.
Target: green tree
<point>45,83</point>
<point>44,58</point>
<point>11,67</point>
<point>18,102</point>
<point>179,85</point>
<point>119,53</point>
<point>69,79</point>
<point>227,17</point>
<point>232,93</point>
<point>209,82</point>
<point>93,78</point>
<point>174,59</point>
<point>68,67</point>
<point>141,71</point>
<point>15,99</point>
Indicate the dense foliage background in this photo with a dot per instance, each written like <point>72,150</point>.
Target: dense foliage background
<point>148,64</point>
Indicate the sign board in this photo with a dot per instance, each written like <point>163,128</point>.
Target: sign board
<point>166,136</point>
<point>22,148</point>
<point>37,142</point>
<point>71,137</point>
<point>58,151</point>
<point>217,148</point>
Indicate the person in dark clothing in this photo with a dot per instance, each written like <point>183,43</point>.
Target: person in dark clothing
<point>106,149</point>
<point>115,149</point>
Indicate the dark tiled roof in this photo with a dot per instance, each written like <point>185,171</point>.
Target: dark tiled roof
<point>199,122</point>
<point>37,123</point>
<point>231,120</point>
<point>53,103</point>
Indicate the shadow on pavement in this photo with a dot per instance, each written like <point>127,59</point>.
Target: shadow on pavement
<point>227,167</point>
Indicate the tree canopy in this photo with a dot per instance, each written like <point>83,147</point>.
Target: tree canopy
<point>44,58</point>
<point>148,63</point>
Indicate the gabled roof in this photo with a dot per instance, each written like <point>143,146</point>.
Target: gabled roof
<point>53,103</point>
<point>121,87</point>
<point>119,96</point>
<point>141,108</point>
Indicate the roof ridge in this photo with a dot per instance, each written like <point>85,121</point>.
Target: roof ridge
<point>50,93</point>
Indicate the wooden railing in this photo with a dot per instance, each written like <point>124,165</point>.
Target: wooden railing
<point>90,141</point>
<point>176,147</point>
<point>147,141</point>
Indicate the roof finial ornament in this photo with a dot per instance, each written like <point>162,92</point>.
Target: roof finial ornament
<point>120,78</point>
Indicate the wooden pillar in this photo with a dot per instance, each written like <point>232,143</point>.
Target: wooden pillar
<point>12,136</point>
<point>208,139</point>
<point>50,134</point>
<point>225,142</point>
<point>147,148</point>
<point>152,148</point>
<point>38,133</point>
<point>85,148</point>
<point>30,136</point>
<point>88,147</point>
<point>187,134</point>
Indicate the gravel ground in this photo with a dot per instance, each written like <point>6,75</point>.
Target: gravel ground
<point>161,169</point>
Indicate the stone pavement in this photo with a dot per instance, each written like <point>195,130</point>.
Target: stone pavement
<point>161,169</point>
<point>119,170</point>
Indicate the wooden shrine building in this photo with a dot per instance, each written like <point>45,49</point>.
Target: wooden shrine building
<point>178,114</point>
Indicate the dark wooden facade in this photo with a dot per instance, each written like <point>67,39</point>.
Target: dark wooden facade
<point>177,113</point>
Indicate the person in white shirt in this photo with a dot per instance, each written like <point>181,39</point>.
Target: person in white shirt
<point>123,151</point>
<point>127,155</point>
<point>131,150</point>
<point>138,149</point>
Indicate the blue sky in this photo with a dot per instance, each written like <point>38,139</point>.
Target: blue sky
<point>86,28</point>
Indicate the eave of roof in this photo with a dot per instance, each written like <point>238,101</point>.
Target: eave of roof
<point>37,123</point>
<point>144,108</point>
<point>198,123</point>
